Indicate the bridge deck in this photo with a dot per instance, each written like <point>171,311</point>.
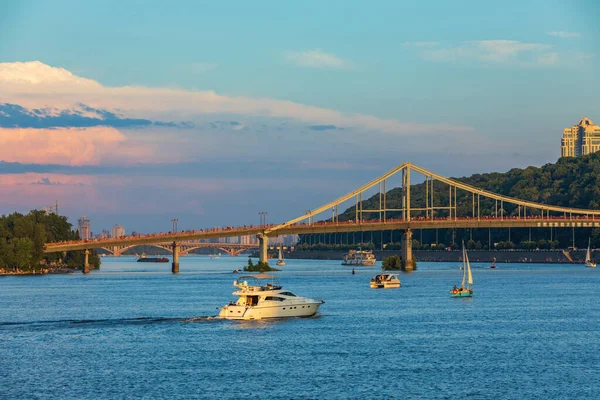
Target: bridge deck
<point>329,227</point>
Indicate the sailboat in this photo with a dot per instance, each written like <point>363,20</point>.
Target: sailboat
<point>280,260</point>
<point>588,257</point>
<point>493,263</point>
<point>464,291</point>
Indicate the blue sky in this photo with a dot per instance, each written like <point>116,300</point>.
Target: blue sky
<point>458,87</point>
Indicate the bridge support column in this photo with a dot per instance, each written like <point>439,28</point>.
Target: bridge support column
<point>86,263</point>
<point>175,265</point>
<point>407,257</point>
<point>263,244</point>
<point>116,251</point>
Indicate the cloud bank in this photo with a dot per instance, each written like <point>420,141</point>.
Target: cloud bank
<point>37,85</point>
<point>317,58</point>
<point>499,52</point>
<point>70,146</point>
<point>565,35</point>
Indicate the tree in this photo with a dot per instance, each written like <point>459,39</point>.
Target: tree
<point>392,263</point>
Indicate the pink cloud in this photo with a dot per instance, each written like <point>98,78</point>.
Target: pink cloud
<point>70,146</point>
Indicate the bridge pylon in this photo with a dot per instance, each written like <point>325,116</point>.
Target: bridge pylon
<point>86,263</point>
<point>407,256</point>
<point>175,265</point>
<point>263,243</point>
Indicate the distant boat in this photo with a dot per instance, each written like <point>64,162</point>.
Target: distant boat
<point>493,263</point>
<point>588,257</point>
<point>464,291</point>
<point>359,258</point>
<point>143,258</point>
<point>280,260</point>
<point>385,281</point>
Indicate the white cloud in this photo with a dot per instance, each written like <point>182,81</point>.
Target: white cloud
<point>507,52</point>
<point>565,35</point>
<point>317,59</point>
<point>37,85</point>
<point>421,44</point>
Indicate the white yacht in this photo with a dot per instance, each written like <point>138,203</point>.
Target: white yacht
<point>261,296</point>
<point>359,258</point>
<point>385,281</point>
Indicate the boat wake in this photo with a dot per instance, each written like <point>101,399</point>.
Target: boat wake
<point>94,323</point>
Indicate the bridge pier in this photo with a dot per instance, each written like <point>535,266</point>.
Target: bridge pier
<point>407,256</point>
<point>175,265</point>
<point>263,244</point>
<point>86,263</point>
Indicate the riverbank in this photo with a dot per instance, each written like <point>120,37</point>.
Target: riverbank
<point>41,271</point>
<point>501,256</point>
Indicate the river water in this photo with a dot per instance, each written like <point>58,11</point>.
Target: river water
<point>134,330</point>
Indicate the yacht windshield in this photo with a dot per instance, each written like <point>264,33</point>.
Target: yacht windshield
<point>261,280</point>
<point>290,294</point>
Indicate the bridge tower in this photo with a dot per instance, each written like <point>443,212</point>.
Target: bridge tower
<point>175,265</point>
<point>263,244</point>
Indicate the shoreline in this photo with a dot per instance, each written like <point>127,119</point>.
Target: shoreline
<point>43,271</point>
<point>500,256</point>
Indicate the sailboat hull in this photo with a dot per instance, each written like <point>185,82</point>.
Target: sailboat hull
<point>464,293</point>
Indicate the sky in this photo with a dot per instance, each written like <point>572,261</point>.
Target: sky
<point>137,112</point>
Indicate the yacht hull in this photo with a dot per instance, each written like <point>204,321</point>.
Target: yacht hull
<point>385,285</point>
<point>236,312</point>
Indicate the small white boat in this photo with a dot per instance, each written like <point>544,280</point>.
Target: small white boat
<point>588,257</point>
<point>261,296</point>
<point>280,260</point>
<point>385,281</point>
<point>359,258</point>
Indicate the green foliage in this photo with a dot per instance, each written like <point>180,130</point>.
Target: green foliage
<point>392,263</point>
<point>22,240</point>
<point>259,267</point>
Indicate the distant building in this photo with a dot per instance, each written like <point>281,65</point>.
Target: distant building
<point>103,235</point>
<point>117,231</point>
<point>84,228</point>
<point>580,139</point>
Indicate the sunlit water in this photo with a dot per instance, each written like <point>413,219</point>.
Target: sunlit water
<point>135,330</point>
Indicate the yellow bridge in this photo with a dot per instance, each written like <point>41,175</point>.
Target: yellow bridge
<point>430,213</point>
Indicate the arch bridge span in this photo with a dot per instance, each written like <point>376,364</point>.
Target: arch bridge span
<point>185,248</point>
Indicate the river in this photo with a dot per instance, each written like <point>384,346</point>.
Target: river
<point>133,330</point>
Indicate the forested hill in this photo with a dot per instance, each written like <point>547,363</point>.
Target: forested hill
<point>570,182</point>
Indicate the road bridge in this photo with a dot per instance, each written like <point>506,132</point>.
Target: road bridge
<point>428,213</point>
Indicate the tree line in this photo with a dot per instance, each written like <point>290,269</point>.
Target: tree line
<point>23,236</point>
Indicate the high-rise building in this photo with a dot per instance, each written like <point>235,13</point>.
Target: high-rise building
<point>580,139</point>
<point>117,231</point>
<point>84,228</point>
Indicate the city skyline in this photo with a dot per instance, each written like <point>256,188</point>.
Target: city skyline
<point>142,130</point>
